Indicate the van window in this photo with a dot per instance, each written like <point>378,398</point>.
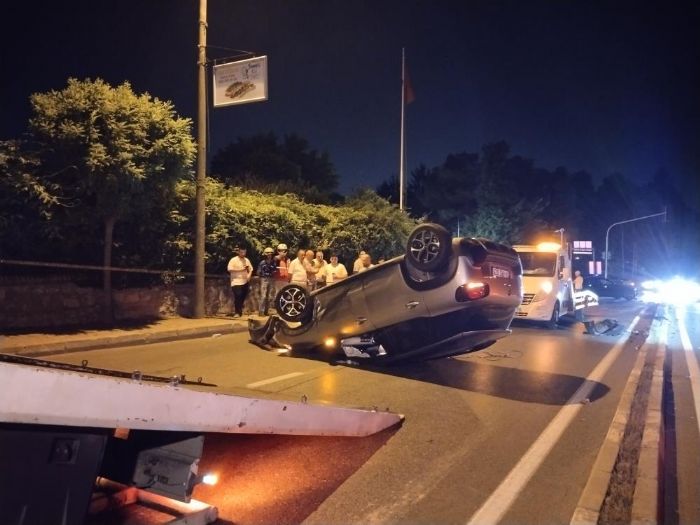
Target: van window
<point>538,263</point>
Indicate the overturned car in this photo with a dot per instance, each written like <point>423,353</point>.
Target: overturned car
<point>443,297</point>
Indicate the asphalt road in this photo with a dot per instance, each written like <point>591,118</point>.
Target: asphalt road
<point>524,411</point>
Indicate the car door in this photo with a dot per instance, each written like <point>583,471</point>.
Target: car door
<point>389,299</point>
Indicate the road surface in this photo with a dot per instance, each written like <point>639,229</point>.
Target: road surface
<point>507,434</point>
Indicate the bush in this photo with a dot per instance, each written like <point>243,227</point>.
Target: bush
<point>257,220</point>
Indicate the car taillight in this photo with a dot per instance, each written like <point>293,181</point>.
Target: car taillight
<point>472,291</point>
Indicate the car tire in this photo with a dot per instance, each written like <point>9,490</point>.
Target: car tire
<point>293,303</point>
<point>429,247</point>
<point>554,320</point>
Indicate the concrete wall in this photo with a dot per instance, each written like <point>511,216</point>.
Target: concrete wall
<point>42,304</point>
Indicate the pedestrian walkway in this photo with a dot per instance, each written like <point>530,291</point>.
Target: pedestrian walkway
<point>47,342</point>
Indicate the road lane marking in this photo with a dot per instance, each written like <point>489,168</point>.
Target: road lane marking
<point>692,361</point>
<point>274,380</point>
<point>500,501</point>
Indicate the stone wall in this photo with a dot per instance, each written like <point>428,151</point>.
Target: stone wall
<point>43,304</point>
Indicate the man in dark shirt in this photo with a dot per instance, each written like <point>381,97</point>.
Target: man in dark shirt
<point>266,272</point>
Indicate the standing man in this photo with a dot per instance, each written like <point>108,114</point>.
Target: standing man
<point>365,262</point>
<point>578,287</point>
<point>297,270</point>
<point>267,268</point>
<point>240,270</point>
<point>282,273</point>
<point>320,265</point>
<point>311,270</point>
<point>335,271</point>
<point>358,262</point>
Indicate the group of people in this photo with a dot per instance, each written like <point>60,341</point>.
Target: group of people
<point>309,270</point>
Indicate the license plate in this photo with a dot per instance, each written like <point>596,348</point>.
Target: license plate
<point>503,273</point>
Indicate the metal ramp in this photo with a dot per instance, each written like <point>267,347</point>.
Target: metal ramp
<point>62,427</point>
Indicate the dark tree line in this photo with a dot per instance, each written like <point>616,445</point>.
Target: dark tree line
<point>506,197</point>
<point>265,163</point>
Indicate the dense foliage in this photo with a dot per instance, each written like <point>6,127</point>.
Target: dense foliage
<point>257,220</point>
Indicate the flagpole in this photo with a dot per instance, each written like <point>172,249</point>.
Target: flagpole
<point>403,102</point>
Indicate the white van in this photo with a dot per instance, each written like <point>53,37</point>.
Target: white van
<point>547,285</point>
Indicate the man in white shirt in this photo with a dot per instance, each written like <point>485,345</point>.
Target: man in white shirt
<point>240,270</point>
<point>297,269</point>
<point>320,266</point>
<point>358,262</point>
<point>311,270</point>
<point>365,262</point>
<point>335,271</point>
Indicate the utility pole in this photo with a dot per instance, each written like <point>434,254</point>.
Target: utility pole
<point>607,234</point>
<point>200,220</point>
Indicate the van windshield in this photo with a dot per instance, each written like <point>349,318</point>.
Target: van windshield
<point>538,263</point>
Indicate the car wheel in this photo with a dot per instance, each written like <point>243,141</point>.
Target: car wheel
<point>293,303</point>
<point>429,247</point>
<point>554,320</point>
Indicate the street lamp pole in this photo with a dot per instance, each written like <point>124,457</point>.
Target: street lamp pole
<point>200,225</point>
<point>607,233</point>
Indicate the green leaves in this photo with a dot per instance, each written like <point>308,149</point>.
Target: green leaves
<point>258,220</point>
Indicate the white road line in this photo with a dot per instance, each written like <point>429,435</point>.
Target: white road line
<point>691,359</point>
<point>504,496</point>
<point>274,380</point>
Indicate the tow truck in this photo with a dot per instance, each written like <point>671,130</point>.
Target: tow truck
<point>548,291</point>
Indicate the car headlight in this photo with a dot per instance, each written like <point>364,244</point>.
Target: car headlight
<point>545,290</point>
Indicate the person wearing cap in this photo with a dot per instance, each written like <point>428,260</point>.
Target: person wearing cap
<point>267,268</point>
<point>240,270</point>
<point>282,273</point>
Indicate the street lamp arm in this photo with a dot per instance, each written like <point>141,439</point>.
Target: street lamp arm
<point>607,233</point>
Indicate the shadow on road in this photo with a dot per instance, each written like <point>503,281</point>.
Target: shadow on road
<point>500,381</point>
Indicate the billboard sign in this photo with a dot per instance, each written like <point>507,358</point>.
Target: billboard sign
<point>240,82</point>
<point>583,247</point>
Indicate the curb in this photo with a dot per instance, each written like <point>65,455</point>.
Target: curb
<point>591,501</point>
<point>646,501</point>
<point>81,345</point>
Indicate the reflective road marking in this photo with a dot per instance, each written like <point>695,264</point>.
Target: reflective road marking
<point>503,497</point>
<point>274,380</point>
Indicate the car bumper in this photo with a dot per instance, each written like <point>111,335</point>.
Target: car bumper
<point>539,311</point>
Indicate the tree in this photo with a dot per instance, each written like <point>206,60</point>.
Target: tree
<point>116,156</point>
<point>25,200</point>
<point>263,163</point>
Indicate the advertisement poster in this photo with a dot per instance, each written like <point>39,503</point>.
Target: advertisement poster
<point>240,82</point>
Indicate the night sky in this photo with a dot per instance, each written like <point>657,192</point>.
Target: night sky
<point>598,86</point>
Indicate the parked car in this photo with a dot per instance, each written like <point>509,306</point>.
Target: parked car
<point>610,287</point>
<point>443,297</point>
